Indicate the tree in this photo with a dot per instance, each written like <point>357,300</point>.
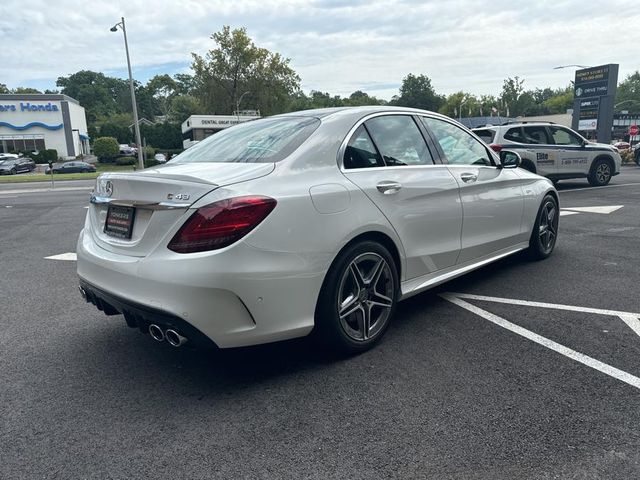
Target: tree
<point>25,90</point>
<point>117,126</point>
<point>163,89</point>
<point>105,148</point>
<point>417,92</point>
<point>460,104</point>
<point>238,67</point>
<point>182,107</point>
<point>3,88</point>
<point>629,93</point>
<point>359,97</point>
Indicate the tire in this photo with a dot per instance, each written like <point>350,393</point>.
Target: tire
<point>357,299</point>
<point>600,173</point>
<point>545,229</point>
<point>13,171</point>
<point>528,165</point>
<point>638,157</point>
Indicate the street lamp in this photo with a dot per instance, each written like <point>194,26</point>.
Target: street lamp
<point>624,101</point>
<point>133,93</point>
<point>569,66</point>
<point>238,105</point>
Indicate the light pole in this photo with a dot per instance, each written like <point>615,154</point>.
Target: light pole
<point>238,105</point>
<point>134,106</point>
<point>624,101</point>
<point>569,66</point>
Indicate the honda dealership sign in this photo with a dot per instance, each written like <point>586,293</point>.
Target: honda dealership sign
<point>593,97</point>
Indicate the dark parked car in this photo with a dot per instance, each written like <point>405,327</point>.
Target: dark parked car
<point>11,166</point>
<point>72,167</point>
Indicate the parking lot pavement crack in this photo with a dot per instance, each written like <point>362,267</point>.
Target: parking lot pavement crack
<point>546,342</point>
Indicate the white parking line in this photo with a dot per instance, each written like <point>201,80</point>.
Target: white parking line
<point>63,256</point>
<point>556,306</point>
<point>595,188</point>
<point>564,213</point>
<point>545,342</point>
<point>604,209</point>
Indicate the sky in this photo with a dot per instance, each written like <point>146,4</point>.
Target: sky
<point>336,46</point>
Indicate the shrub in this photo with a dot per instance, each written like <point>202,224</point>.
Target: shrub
<point>627,157</point>
<point>149,152</point>
<point>43,156</point>
<point>150,162</point>
<point>105,148</point>
<point>126,161</point>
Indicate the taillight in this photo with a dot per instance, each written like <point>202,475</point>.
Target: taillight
<point>221,223</point>
<point>495,147</point>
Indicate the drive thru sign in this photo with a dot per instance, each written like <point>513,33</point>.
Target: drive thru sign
<point>634,130</point>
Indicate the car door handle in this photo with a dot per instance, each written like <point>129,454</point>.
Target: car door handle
<point>468,177</point>
<point>388,188</point>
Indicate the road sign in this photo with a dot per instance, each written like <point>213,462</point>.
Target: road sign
<point>634,130</point>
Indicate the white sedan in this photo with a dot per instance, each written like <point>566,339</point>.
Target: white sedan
<point>318,221</point>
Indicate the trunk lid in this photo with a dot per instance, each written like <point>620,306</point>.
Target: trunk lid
<point>157,198</point>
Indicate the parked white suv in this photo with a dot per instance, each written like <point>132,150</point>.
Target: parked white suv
<point>555,151</point>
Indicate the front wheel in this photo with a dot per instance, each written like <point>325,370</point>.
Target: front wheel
<point>600,173</point>
<point>545,229</point>
<point>358,298</point>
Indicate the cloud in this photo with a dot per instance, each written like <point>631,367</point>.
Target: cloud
<point>337,46</point>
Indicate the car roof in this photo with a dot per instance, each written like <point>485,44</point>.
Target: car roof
<point>357,112</point>
<point>520,124</point>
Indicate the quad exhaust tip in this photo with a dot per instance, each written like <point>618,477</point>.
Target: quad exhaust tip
<point>174,338</point>
<point>156,332</point>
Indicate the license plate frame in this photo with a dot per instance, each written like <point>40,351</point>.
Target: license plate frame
<point>119,221</point>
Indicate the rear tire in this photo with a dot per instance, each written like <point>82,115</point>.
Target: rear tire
<point>358,299</point>
<point>600,173</point>
<point>545,229</point>
<point>13,171</point>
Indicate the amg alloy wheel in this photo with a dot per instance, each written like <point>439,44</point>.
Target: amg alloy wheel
<point>358,298</point>
<point>545,230</point>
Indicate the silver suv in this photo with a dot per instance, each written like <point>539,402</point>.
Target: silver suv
<point>555,151</point>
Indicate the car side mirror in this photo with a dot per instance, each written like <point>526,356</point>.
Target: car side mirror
<point>510,159</point>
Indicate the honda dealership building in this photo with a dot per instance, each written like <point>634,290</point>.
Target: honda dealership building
<point>34,122</point>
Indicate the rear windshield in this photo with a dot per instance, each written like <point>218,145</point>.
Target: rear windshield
<point>260,141</point>
<point>485,135</point>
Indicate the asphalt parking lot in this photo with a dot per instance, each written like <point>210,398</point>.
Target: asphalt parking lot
<point>519,370</point>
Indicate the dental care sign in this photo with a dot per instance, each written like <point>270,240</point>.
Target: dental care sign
<point>29,107</point>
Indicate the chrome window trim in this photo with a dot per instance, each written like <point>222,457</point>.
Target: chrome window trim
<point>352,131</point>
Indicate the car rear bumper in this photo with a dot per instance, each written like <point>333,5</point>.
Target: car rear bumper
<point>238,297</point>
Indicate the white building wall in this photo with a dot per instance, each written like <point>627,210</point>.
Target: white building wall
<point>26,116</point>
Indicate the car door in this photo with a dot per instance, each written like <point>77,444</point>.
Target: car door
<point>388,158</point>
<point>492,197</point>
<point>544,153</point>
<point>574,157</point>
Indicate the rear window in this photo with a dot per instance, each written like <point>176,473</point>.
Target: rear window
<point>485,135</point>
<point>266,140</point>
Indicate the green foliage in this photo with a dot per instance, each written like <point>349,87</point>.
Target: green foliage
<point>150,162</point>
<point>100,95</point>
<point>183,106</point>
<point>417,92</point>
<point>628,93</point>
<point>45,156</point>
<point>3,88</point>
<point>238,67</point>
<point>126,161</point>
<point>162,135</point>
<point>149,152</point>
<point>117,126</point>
<point>105,148</point>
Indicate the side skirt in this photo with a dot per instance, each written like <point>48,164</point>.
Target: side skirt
<point>416,285</point>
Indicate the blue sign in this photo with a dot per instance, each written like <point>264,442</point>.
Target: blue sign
<point>30,107</point>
